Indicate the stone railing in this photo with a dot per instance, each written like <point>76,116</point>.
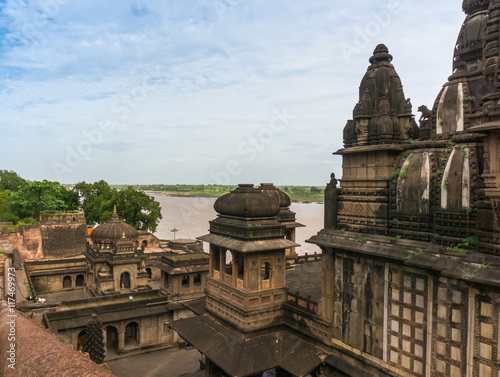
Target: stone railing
<point>302,302</point>
<point>245,298</point>
<point>306,258</point>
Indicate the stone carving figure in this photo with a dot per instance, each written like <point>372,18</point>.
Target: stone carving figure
<point>331,203</point>
<point>105,271</point>
<point>426,113</point>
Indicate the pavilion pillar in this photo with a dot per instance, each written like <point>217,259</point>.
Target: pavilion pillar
<point>235,268</point>
<point>121,341</point>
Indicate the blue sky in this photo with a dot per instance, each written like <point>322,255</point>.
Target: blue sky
<point>221,91</point>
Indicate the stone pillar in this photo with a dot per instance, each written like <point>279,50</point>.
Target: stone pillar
<point>235,268</point>
<point>211,261</point>
<point>222,262</point>
<point>121,341</point>
<point>328,282</point>
<point>331,204</point>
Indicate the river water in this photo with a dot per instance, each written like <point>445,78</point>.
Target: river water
<point>190,216</point>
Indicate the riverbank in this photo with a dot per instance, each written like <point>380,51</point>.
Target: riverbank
<point>296,198</point>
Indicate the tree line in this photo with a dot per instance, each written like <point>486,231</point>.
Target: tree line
<point>21,201</point>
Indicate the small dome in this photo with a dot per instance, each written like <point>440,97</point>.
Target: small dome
<point>113,230</point>
<point>246,201</point>
<point>284,198</point>
<point>124,244</point>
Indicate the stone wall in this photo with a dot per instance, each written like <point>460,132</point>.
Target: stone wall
<point>48,276</point>
<point>64,234</point>
<point>27,239</point>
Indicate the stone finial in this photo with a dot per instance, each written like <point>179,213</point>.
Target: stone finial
<point>380,53</point>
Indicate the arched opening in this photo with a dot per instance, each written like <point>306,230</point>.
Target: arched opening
<point>67,282</point>
<point>265,271</point>
<point>144,244</point>
<point>132,334</point>
<point>150,274</point>
<point>185,281</point>
<point>80,280</point>
<point>80,340</point>
<point>111,339</point>
<point>266,275</point>
<point>125,280</point>
<point>229,263</point>
<point>197,280</point>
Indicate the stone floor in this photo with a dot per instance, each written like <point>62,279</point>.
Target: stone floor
<point>53,297</point>
<point>171,362</point>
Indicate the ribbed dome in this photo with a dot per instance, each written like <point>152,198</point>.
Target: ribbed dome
<point>246,201</point>
<point>471,6</point>
<point>113,230</point>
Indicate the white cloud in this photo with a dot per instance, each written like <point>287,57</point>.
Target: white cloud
<point>187,80</point>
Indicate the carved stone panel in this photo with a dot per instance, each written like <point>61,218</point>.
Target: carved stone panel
<point>407,320</point>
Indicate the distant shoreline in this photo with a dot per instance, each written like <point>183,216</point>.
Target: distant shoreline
<point>183,194</point>
<point>295,199</point>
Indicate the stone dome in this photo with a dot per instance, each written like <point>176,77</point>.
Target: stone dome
<point>284,198</point>
<point>471,6</point>
<point>113,230</point>
<point>247,201</point>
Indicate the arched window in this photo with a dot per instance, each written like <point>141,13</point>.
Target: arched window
<point>265,271</point>
<point>80,280</point>
<point>229,262</point>
<point>185,281</point>
<point>125,280</point>
<point>67,282</point>
<point>197,280</point>
<point>144,244</point>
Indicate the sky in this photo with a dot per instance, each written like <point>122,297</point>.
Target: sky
<point>202,92</point>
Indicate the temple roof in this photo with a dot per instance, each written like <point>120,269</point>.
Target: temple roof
<point>113,231</point>
<point>383,113</point>
<point>241,354</point>
<point>245,246</point>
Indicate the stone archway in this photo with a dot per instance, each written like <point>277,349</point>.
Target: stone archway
<point>80,279</point>
<point>125,280</point>
<point>132,334</point>
<point>67,282</point>
<point>111,339</point>
<point>144,244</point>
<point>150,273</point>
<point>80,340</point>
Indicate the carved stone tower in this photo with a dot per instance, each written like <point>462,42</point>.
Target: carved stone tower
<point>382,120</point>
<point>246,282</point>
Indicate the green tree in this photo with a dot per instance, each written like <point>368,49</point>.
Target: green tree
<point>70,198</point>
<point>6,213</point>
<point>9,180</point>
<point>34,197</point>
<point>96,198</point>
<point>138,209</point>
<point>133,207</point>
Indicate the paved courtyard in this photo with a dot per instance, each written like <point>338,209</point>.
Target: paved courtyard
<point>171,362</point>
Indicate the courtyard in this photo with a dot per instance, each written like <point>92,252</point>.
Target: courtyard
<point>171,362</point>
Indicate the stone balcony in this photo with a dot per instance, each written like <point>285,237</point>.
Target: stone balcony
<point>244,298</point>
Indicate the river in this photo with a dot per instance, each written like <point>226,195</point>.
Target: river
<point>190,216</point>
